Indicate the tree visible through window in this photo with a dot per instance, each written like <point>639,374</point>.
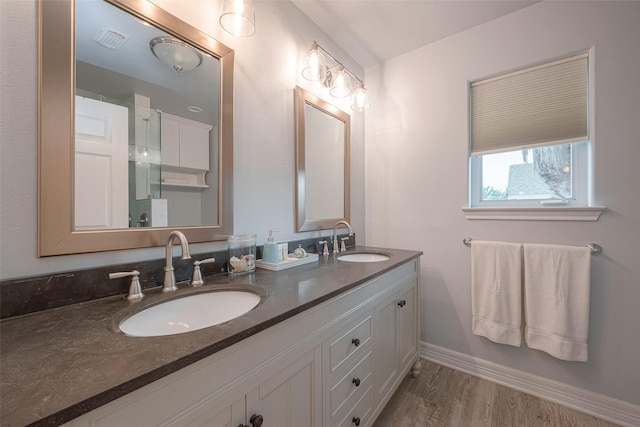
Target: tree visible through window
<point>530,173</point>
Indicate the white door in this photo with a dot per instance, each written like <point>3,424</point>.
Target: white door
<point>101,171</point>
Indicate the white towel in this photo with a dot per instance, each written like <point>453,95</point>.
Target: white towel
<point>556,283</point>
<point>496,291</point>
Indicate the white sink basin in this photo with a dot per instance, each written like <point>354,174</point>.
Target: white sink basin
<point>363,257</point>
<point>189,313</point>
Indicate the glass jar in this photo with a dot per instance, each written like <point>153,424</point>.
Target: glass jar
<point>242,254</point>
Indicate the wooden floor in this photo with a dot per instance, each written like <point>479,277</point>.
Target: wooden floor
<point>441,396</point>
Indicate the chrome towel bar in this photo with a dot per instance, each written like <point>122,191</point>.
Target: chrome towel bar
<point>596,249</point>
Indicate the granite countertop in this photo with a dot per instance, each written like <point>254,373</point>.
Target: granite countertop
<point>59,364</point>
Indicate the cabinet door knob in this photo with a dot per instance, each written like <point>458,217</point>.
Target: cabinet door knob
<point>402,303</point>
<point>356,381</point>
<point>355,342</point>
<point>256,420</point>
<point>356,421</point>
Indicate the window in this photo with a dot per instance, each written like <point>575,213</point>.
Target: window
<point>530,137</point>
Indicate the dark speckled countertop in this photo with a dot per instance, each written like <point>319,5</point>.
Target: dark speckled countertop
<point>58,364</point>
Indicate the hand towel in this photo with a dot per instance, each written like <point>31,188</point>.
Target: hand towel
<point>496,291</point>
<point>556,287</point>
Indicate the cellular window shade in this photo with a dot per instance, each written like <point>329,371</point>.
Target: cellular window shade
<point>543,105</point>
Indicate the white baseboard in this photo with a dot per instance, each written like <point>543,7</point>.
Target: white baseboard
<point>606,408</point>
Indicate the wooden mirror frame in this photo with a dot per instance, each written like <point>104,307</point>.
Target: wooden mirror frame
<point>301,99</point>
<point>56,135</point>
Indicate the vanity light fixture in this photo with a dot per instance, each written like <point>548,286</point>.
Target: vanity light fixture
<point>337,77</point>
<point>238,17</point>
<point>175,53</point>
<point>341,85</point>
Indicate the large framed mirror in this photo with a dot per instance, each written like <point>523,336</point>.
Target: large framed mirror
<point>322,162</point>
<point>135,128</point>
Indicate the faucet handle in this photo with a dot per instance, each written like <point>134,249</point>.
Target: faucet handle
<point>196,279</point>
<point>343,246</point>
<point>325,251</point>
<point>135,290</point>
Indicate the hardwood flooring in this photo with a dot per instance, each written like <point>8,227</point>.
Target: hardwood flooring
<point>441,396</point>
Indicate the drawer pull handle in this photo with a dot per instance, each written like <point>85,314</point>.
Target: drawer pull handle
<point>356,421</point>
<point>402,303</point>
<point>356,381</point>
<point>256,420</point>
<point>355,342</point>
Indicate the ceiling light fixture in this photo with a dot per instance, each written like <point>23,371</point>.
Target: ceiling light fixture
<point>178,55</point>
<point>336,78</point>
<point>238,17</point>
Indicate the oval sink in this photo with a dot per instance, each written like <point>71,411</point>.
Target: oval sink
<point>189,313</point>
<point>363,257</point>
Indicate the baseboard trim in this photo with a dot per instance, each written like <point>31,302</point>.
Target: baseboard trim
<point>606,408</point>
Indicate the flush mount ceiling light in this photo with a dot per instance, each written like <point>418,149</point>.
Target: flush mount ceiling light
<point>178,55</point>
<point>238,17</point>
<point>336,78</point>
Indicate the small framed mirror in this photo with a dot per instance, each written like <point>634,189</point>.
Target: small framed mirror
<point>322,162</point>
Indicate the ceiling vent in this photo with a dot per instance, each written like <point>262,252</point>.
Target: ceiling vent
<point>110,38</point>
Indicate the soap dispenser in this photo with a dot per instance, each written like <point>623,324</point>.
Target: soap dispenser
<point>270,250</point>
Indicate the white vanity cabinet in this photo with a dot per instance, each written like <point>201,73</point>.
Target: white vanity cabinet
<point>335,364</point>
<point>184,142</point>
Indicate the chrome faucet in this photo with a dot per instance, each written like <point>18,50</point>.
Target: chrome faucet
<point>169,277</point>
<point>336,249</point>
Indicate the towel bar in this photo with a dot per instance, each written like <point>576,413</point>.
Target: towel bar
<point>596,249</point>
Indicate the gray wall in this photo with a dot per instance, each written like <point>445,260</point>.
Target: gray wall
<point>416,180</point>
<point>266,72</point>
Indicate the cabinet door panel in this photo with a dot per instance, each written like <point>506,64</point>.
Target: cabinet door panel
<point>194,147</point>
<point>289,398</point>
<point>170,141</point>
<point>386,344</point>
<point>230,416</point>
<point>407,318</point>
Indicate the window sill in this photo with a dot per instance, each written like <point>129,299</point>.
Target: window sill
<point>590,213</point>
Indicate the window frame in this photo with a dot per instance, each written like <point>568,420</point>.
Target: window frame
<point>580,209</point>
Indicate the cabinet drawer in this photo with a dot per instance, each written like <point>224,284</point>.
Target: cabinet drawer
<point>349,388</point>
<point>345,347</point>
<point>360,413</point>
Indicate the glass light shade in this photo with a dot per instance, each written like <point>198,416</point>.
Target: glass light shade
<point>360,100</point>
<point>238,17</point>
<point>176,54</point>
<point>340,84</point>
<point>314,64</point>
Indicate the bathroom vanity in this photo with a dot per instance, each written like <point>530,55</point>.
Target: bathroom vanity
<point>327,346</point>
